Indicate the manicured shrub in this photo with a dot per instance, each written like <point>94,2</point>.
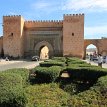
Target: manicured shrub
<point>70,88</point>
<point>102,84</point>
<point>62,59</point>
<point>96,96</point>
<point>52,63</point>
<point>76,62</point>
<point>24,73</point>
<point>46,95</point>
<point>11,91</point>
<point>85,73</point>
<point>46,75</point>
<point>80,65</point>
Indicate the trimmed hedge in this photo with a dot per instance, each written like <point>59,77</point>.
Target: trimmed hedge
<point>81,65</point>
<point>24,73</point>
<point>11,91</point>
<point>86,73</point>
<point>46,75</point>
<point>52,63</point>
<point>46,95</point>
<point>62,59</point>
<point>96,96</point>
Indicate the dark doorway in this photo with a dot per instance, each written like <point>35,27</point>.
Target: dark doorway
<point>2,53</point>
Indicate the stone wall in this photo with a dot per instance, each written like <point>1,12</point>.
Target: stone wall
<point>12,35</point>
<point>99,43</point>
<point>73,35</point>
<point>33,38</point>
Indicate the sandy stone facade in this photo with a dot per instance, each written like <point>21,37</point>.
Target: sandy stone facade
<point>62,37</point>
<point>13,35</point>
<point>101,45</point>
<point>73,35</point>
<point>26,38</point>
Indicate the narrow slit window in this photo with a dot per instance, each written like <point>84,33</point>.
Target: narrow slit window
<point>72,34</point>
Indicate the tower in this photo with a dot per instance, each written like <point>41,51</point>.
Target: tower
<point>13,36</point>
<point>73,35</point>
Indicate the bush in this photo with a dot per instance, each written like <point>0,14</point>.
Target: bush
<point>61,59</point>
<point>46,95</point>
<point>81,65</point>
<point>11,91</point>
<point>96,96</point>
<point>70,88</point>
<point>102,84</point>
<point>85,74</point>
<point>52,63</point>
<point>46,75</point>
<point>24,73</point>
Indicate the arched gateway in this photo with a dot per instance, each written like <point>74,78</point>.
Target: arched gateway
<point>62,37</point>
<point>101,45</point>
<point>41,44</point>
<point>26,38</point>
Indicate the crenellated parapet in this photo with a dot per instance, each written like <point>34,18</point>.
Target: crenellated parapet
<point>73,17</point>
<point>12,16</point>
<point>12,19</point>
<point>74,14</point>
<point>44,23</point>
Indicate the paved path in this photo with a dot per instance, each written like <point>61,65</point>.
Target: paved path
<point>104,65</point>
<point>4,65</point>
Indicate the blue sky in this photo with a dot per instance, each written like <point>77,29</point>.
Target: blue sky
<point>95,12</point>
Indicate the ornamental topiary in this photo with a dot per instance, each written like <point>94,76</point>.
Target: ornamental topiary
<point>47,74</point>
<point>11,91</point>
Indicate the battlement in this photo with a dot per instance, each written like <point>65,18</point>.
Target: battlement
<point>47,21</point>
<point>73,15</point>
<point>12,16</point>
<point>44,23</point>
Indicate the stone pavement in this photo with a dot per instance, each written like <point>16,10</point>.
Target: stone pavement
<point>4,65</point>
<point>104,65</point>
<point>3,62</point>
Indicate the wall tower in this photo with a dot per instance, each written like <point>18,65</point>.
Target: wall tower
<point>13,35</point>
<point>73,35</point>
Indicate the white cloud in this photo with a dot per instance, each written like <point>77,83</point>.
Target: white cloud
<point>13,13</point>
<point>45,6</point>
<point>95,5</point>
<point>96,31</point>
<point>40,5</point>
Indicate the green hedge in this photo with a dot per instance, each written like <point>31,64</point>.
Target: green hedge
<point>76,62</point>
<point>24,73</point>
<point>62,59</point>
<point>96,96</point>
<point>86,73</point>
<point>45,75</point>
<point>52,63</point>
<point>11,91</point>
<point>46,95</point>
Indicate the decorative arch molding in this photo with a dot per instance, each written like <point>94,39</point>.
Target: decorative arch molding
<point>39,45</point>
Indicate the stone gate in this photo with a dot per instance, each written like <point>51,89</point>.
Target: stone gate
<point>26,38</point>
<point>101,45</point>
